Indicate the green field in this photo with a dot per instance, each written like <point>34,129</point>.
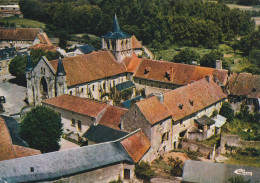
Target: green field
<point>6,2</point>
<point>23,22</point>
<point>169,54</point>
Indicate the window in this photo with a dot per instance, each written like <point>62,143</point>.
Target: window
<point>31,169</point>
<point>73,122</point>
<point>79,126</point>
<point>165,136</point>
<point>93,119</point>
<point>126,173</point>
<point>70,92</point>
<point>93,87</point>
<point>82,90</point>
<point>104,86</point>
<point>139,81</point>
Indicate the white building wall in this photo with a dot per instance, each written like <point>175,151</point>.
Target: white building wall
<point>67,116</point>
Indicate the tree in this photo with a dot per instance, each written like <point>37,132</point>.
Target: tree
<point>177,167</point>
<point>17,66</point>
<point>143,171</point>
<point>186,56</point>
<point>209,60</point>
<point>227,111</point>
<point>41,128</point>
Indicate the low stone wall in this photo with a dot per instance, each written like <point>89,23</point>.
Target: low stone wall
<point>205,150</point>
<point>229,142</point>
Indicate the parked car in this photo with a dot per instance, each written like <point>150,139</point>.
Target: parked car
<point>2,100</point>
<point>2,109</point>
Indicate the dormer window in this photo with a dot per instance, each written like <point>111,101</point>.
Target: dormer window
<point>147,70</point>
<point>167,75</point>
<point>191,102</point>
<point>180,106</point>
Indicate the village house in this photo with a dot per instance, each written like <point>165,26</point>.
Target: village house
<point>18,37</point>
<point>78,114</point>
<point>10,10</point>
<point>6,55</point>
<point>161,76</point>
<point>244,87</point>
<point>95,163</point>
<point>167,117</point>
<point>8,150</point>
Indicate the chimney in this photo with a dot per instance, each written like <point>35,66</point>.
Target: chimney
<point>160,96</point>
<point>207,78</point>
<point>218,64</point>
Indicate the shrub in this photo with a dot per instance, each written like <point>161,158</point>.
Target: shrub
<point>227,111</point>
<point>143,171</point>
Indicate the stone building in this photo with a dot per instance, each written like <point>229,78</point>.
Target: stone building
<point>162,76</point>
<point>18,37</point>
<point>78,114</point>
<point>244,87</point>
<point>167,117</point>
<point>95,163</point>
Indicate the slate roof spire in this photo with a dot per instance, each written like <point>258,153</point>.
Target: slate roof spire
<point>116,27</point>
<point>60,69</point>
<point>29,64</point>
<point>116,32</point>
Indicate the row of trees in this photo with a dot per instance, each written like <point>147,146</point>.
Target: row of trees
<point>155,22</point>
<point>242,2</point>
<point>208,60</point>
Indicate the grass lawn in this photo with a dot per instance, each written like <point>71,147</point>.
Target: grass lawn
<point>169,54</point>
<point>23,22</point>
<point>243,160</point>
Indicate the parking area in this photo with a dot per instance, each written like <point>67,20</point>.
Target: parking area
<point>14,93</point>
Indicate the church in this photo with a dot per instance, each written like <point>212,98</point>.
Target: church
<point>96,74</point>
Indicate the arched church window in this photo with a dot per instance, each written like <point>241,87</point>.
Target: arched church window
<point>113,45</point>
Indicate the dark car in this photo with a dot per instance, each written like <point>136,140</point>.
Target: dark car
<point>2,99</point>
<point>2,109</point>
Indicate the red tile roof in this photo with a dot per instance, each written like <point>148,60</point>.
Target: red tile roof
<point>179,74</point>
<point>244,84</point>
<point>133,64</point>
<point>85,68</point>
<point>135,43</point>
<point>7,149</point>
<point>153,110</point>
<point>19,34</point>
<point>112,117</point>
<point>76,104</point>
<point>136,145</point>
<point>44,39</point>
<point>46,47</point>
<point>192,98</point>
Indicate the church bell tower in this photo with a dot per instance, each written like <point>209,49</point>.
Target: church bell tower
<point>118,42</point>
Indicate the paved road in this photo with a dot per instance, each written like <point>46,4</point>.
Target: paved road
<point>14,94</point>
<point>67,145</point>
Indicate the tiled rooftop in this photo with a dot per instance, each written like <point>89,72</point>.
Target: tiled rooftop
<point>19,34</point>
<point>90,67</point>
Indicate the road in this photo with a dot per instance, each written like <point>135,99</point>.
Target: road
<point>14,94</point>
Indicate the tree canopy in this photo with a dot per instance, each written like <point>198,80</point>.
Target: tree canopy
<point>186,56</point>
<point>189,22</point>
<point>41,128</point>
<point>227,111</point>
<point>18,64</point>
<point>209,59</point>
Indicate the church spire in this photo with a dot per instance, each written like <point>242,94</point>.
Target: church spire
<point>60,69</point>
<point>29,64</point>
<point>116,27</point>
